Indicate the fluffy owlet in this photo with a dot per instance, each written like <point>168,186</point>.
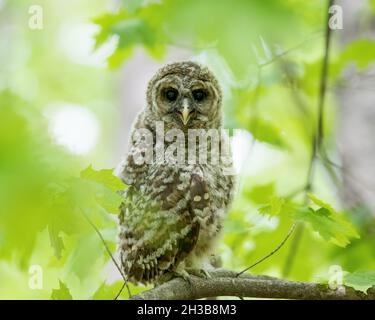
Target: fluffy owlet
<point>174,206</point>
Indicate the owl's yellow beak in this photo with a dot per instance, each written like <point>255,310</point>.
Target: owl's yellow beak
<point>185,116</point>
<point>186,112</point>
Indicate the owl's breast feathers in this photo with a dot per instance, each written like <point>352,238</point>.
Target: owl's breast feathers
<point>163,217</point>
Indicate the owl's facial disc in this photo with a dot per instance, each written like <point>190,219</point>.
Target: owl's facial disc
<point>188,102</point>
<point>181,103</point>
<point>185,95</point>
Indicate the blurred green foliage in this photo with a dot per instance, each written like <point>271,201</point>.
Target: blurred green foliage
<point>267,56</point>
<point>62,293</point>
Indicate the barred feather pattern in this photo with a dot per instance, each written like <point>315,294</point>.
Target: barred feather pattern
<point>171,214</point>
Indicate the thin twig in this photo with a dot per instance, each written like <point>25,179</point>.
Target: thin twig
<point>122,288</point>
<point>286,52</point>
<point>255,106</point>
<point>272,252</point>
<point>293,249</point>
<point>310,171</point>
<point>110,254</point>
<point>323,80</point>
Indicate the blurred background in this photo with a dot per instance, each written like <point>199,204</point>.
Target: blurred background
<point>73,76</point>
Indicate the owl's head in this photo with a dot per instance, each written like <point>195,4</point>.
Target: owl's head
<point>185,95</point>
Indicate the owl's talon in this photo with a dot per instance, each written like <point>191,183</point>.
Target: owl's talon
<point>201,273</point>
<point>206,273</point>
<point>183,274</point>
<point>174,274</point>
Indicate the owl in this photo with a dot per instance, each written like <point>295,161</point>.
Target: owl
<point>172,211</point>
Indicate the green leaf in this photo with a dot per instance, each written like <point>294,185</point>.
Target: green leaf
<point>133,5</point>
<point>265,131</point>
<point>55,239</point>
<point>102,196</point>
<point>103,176</point>
<point>62,293</point>
<point>235,226</point>
<point>95,194</point>
<point>361,52</point>
<point>275,207</point>
<point>109,291</point>
<point>360,280</point>
<point>262,193</point>
<point>331,225</point>
<point>118,57</point>
<point>320,202</point>
<point>102,187</point>
<point>137,26</point>
<point>279,206</point>
<point>105,22</point>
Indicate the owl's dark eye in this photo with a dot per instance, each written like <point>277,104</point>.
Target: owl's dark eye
<point>171,94</point>
<point>199,95</point>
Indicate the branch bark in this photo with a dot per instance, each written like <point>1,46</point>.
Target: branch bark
<point>225,283</point>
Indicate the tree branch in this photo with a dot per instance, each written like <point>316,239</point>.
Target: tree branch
<point>225,283</point>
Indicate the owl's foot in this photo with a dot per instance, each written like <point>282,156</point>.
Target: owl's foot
<point>174,274</point>
<point>164,278</point>
<point>201,273</point>
<point>183,274</point>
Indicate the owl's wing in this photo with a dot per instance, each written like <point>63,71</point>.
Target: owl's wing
<point>158,224</point>
<point>134,168</point>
